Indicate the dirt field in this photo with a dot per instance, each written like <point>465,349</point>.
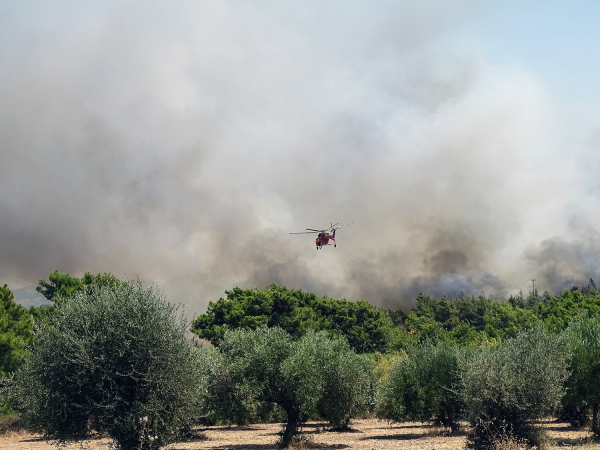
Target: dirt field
<point>366,434</point>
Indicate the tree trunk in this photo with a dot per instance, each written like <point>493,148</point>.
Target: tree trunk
<point>595,425</point>
<point>447,417</point>
<point>451,414</point>
<point>293,416</point>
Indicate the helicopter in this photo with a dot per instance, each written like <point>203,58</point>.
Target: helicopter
<point>325,235</point>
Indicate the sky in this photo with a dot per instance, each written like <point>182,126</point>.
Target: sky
<point>181,142</point>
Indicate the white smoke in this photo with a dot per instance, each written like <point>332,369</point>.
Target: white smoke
<point>182,143</point>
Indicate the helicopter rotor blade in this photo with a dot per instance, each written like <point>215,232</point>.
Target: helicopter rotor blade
<point>333,227</point>
<point>337,226</point>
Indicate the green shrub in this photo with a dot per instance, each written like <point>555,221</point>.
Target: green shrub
<point>583,385</point>
<point>506,388</point>
<point>422,386</point>
<point>384,362</point>
<point>229,396</point>
<point>350,385</point>
<point>114,359</point>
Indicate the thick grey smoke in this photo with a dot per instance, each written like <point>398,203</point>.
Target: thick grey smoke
<point>182,143</point>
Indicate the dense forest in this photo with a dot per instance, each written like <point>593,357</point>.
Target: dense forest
<point>281,354</point>
<point>466,320</point>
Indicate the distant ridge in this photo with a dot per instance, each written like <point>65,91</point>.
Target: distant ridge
<point>27,296</point>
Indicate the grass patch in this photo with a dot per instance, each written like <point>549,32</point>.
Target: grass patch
<point>10,423</point>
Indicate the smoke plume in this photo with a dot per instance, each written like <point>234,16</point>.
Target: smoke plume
<point>183,142</point>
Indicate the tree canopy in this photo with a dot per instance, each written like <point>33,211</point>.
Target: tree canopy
<point>469,320</point>
<point>365,327</point>
<point>464,320</point>
<point>62,285</point>
<point>114,359</point>
<point>15,332</point>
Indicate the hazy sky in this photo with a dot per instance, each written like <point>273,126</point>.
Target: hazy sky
<point>182,141</point>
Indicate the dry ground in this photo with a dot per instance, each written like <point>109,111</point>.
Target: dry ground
<point>366,434</point>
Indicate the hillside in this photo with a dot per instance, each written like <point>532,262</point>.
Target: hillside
<point>27,296</point>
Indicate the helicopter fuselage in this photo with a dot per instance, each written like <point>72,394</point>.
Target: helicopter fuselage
<point>324,238</point>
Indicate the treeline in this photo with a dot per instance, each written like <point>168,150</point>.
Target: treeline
<point>465,320</point>
<point>112,356</point>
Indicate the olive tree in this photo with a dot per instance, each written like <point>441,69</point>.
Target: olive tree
<point>506,388</point>
<point>350,385</point>
<point>228,396</point>
<point>422,386</point>
<point>303,377</point>
<point>114,359</point>
<point>583,385</point>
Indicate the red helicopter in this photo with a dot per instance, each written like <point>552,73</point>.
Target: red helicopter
<point>324,236</point>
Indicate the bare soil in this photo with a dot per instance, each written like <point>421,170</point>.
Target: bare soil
<point>364,434</point>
